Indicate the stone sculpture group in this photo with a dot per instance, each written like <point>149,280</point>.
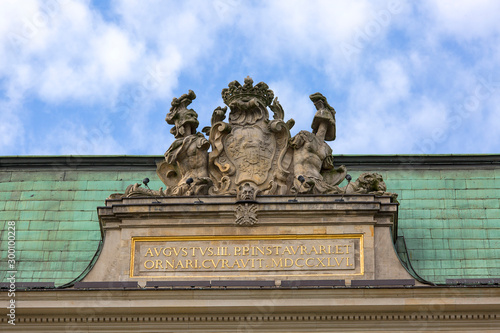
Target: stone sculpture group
<point>250,154</point>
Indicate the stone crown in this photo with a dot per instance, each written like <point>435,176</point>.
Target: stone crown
<point>236,91</point>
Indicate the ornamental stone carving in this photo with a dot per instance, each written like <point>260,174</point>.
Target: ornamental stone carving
<point>250,148</point>
<point>248,154</point>
<point>187,157</point>
<point>368,183</point>
<point>246,214</point>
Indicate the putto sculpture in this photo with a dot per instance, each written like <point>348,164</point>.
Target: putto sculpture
<point>251,154</point>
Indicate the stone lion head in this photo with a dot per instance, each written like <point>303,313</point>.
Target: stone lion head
<point>371,182</point>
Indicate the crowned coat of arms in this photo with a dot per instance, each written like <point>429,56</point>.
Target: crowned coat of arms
<point>248,154</point>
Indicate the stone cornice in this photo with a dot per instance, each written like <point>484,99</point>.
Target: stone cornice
<point>357,209</point>
<point>221,300</point>
<point>426,307</point>
<point>149,161</point>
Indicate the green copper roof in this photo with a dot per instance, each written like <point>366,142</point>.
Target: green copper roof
<point>449,210</point>
<point>450,220</point>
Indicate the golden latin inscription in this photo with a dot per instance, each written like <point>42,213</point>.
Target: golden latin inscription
<point>246,255</point>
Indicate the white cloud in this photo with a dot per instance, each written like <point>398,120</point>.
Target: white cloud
<point>295,103</point>
<point>303,30</point>
<point>68,53</point>
<point>410,64</point>
<point>12,128</point>
<point>393,80</point>
<point>75,139</point>
<point>465,18</point>
<point>114,53</point>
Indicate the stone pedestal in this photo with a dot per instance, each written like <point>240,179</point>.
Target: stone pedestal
<point>185,238</point>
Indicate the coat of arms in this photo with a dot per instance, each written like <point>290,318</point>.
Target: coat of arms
<point>250,154</point>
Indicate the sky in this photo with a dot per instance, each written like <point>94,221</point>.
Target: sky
<point>97,77</point>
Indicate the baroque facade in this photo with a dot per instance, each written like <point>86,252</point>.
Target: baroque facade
<point>252,230</point>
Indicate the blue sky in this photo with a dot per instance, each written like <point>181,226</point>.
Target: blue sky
<point>97,77</point>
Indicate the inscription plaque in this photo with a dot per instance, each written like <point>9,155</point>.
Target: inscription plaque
<point>238,256</point>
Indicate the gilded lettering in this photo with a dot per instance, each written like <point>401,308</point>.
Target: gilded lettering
<point>258,249</point>
<point>278,263</point>
<point>213,263</point>
<point>347,262</point>
<point>320,261</point>
<point>149,263</point>
<point>300,255</point>
<point>260,260</point>
<point>329,263</point>
<point>189,263</point>
<point>245,263</point>
<point>224,263</point>
<point>313,248</point>
<point>307,262</point>
<point>179,264</point>
<point>171,264</point>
